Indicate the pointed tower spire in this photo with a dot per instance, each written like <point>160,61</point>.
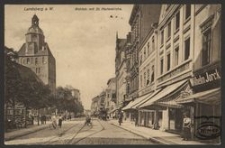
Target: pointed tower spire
<point>35,20</point>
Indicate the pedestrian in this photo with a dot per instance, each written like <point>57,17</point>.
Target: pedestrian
<point>136,118</point>
<point>44,119</point>
<point>186,127</point>
<point>54,122</point>
<point>120,117</point>
<point>88,120</point>
<point>60,122</point>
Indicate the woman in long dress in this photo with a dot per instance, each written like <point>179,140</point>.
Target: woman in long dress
<point>186,127</point>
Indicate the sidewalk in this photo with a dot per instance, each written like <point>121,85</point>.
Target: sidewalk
<point>155,135</point>
<point>25,131</point>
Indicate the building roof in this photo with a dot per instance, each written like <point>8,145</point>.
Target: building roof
<point>25,73</point>
<point>46,51</point>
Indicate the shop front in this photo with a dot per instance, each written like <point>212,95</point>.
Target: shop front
<point>206,101</point>
<point>165,114</point>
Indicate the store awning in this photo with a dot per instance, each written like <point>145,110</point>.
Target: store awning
<point>142,101</point>
<point>172,104</point>
<point>164,93</point>
<point>132,103</point>
<point>212,96</point>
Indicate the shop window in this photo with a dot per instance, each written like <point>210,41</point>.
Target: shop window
<point>187,49</point>
<point>206,47</point>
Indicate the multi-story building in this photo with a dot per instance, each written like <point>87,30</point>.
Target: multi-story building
<point>120,70</point>
<point>174,65</point>
<point>95,106</point>
<point>76,94</point>
<point>36,55</point>
<point>111,97</point>
<point>141,61</point>
<point>206,80</point>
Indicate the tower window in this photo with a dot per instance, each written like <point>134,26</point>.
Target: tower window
<point>28,60</point>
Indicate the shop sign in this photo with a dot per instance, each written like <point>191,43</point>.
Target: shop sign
<point>207,77</point>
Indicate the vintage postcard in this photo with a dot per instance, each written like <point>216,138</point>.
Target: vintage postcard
<point>112,74</point>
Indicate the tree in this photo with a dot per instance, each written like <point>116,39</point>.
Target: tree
<point>23,86</point>
<point>67,102</point>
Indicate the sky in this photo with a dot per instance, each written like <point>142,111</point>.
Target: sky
<point>81,39</point>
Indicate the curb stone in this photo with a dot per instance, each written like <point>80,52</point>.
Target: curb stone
<point>25,133</point>
<point>149,138</point>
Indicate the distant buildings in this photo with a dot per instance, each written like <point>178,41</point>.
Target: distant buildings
<point>105,103</point>
<point>76,94</point>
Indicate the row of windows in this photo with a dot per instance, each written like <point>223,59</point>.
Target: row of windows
<point>176,23</point>
<point>147,77</point>
<point>148,49</point>
<point>133,85</point>
<point>176,57</point>
<point>31,60</point>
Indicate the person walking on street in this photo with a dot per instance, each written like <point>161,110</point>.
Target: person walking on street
<point>44,119</point>
<point>120,117</point>
<point>186,127</point>
<point>54,124</point>
<point>60,122</point>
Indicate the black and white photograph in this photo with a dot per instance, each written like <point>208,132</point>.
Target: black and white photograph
<point>112,74</point>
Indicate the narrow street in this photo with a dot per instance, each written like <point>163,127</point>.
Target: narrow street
<point>76,133</point>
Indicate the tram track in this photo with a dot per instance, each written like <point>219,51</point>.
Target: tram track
<point>80,139</point>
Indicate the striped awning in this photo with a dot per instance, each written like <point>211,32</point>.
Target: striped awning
<point>172,104</point>
<point>164,93</point>
<point>212,96</point>
<point>133,104</point>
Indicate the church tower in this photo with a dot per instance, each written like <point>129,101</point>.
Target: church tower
<point>36,54</point>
